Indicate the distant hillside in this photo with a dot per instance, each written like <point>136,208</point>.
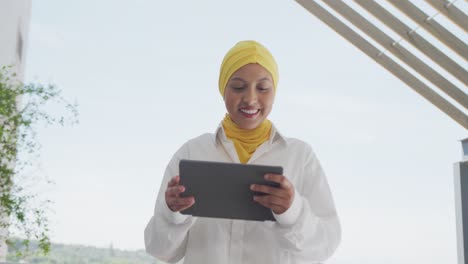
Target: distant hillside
<point>76,254</point>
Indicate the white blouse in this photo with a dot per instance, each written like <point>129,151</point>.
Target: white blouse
<point>308,232</point>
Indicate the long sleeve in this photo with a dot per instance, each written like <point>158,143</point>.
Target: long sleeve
<point>166,232</point>
<point>310,228</point>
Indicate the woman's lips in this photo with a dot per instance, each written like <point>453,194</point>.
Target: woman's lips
<point>249,113</point>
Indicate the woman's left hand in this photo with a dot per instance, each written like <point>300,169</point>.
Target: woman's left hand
<point>278,199</point>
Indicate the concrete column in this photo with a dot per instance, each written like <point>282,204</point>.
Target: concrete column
<point>461,204</point>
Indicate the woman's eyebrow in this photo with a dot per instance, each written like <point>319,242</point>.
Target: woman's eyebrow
<point>242,80</point>
<point>264,79</point>
<point>237,79</point>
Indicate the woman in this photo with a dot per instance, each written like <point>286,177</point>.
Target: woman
<point>307,228</point>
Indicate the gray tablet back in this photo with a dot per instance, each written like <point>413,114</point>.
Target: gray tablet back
<point>222,190</point>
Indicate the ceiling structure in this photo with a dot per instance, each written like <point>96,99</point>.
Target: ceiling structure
<point>420,42</point>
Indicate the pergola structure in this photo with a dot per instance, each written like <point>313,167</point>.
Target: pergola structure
<point>415,41</point>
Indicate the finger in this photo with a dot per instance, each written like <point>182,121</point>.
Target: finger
<point>282,180</point>
<point>175,204</point>
<point>176,201</point>
<point>278,209</point>
<point>181,205</point>
<point>175,190</point>
<point>181,208</point>
<point>270,190</point>
<point>271,200</point>
<point>174,181</point>
<point>171,182</point>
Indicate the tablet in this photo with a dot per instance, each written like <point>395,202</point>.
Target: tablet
<point>222,190</point>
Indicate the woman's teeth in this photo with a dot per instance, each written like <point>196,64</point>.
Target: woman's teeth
<point>250,112</point>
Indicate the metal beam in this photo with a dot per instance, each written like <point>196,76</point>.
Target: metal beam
<point>415,39</point>
<point>399,51</point>
<point>385,61</point>
<point>432,26</point>
<point>451,12</point>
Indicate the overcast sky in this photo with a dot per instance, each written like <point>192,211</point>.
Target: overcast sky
<point>144,74</point>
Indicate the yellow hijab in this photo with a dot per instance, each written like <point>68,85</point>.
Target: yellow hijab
<point>246,141</point>
<point>243,53</point>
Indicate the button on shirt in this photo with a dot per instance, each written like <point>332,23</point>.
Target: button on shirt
<point>308,232</point>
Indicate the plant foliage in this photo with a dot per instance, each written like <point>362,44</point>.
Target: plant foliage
<point>22,108</point>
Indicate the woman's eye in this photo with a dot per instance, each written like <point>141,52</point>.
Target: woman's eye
<point>263,89</point>
<point>237,88</point>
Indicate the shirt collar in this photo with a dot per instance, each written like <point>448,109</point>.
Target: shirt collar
<point>275,136</point>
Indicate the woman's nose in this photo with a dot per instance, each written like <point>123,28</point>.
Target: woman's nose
<point>250,96</point>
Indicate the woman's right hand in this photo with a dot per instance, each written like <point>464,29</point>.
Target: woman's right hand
<point>173,199</point>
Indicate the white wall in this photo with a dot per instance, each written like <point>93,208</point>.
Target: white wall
<point>14,25</point>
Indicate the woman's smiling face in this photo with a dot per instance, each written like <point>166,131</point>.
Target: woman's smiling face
<point>249,96</point>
